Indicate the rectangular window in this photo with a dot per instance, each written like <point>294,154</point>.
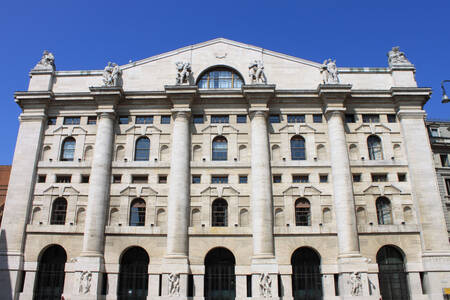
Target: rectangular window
<point>379,177</point>
<point>296,118</point>
<point>371,118</point>
<point>196,179</point>
<point>274,118</point>
<point>243,179</point>
<point>445,161</point>
<point>63,178</point>
<point>144,120</point>
<point>300,178</point>
<point>392,118</point>
<point>42,178</point>
<point>220,119</point>
<point>139,178</point>
<point>117,178</point>
<point>123,120</point>
<point>92,120</point>
<point>356,177</point>
<point>219,179</point>
<point>323,178</point>
<point>84,178</point>
<point>71,120</point>
<point>447,184</point>
<point>51,121</point>
<point>401,177</point>
<point>317,118</point>
<point>198,119</point>
<point>276,178</point>
<point>162,179</point>
<point>241,119</point>
<point>434,132</point>
<point>350,118</point>
<point>165,119</point>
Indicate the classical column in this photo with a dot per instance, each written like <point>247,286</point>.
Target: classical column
<point>20,190</point>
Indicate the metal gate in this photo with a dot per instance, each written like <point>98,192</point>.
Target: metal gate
<point>133,275</point>
<point>392,278</point>
<point>50,282</point>
<point>306,277</point>
<point>220,282</point>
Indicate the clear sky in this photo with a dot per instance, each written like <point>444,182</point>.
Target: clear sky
<point>87,34</point>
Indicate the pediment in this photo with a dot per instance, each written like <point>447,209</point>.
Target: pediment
<point>143,129</point>
<point>138,191</point>
<point>382,190</point>
<point>219,129</point>
<point>373,128</point>
<point>302,190</point>
<point>70,130</point>
<point>220,191</point>
<point>61,191</point>
<point>297,128</point>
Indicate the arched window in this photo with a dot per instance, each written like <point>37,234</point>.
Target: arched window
<point>374,146</point>
<point>219,213</point>
<point>391,274</point>
<point>302,212</point>
<point>50,274</point>
<point>133,275</point>
<point>220,281</point>
<point>298,148</point>
<point>59,212</point>
<point>142,151</point>
<point>68,149</point>
<point>137,212</point>
<point>306,278</point>
<point>384,211</point>
<point>219,148</point>
<point>220,78</point>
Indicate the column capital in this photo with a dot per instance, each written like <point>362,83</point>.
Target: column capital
<point>258,112</point>
<point>333,111</point>
<point>106,114</point>
<point>181,113</point>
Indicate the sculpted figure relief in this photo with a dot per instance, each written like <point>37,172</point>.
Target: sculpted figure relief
<point>184,71</point>
<point>355,281</point>
<point>111,75</point>
<point>330,72</point>
<point>174,284</point>
<point>256,72</point>
<point>265,285</point>
<point>47,62</point>
<point>85,282</point>
<point>397,57</point>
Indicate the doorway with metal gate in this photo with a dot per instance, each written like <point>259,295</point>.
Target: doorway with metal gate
<point>306,277</point>
<point>220,280</point>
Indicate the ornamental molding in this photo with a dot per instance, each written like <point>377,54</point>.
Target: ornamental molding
<point>138,191</point>
<point>297,128</point>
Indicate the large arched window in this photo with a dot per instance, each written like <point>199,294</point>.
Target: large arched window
<point>220,78</point>
<point>133,275</point>
<point>375,148</point>
<point>68,149</point>
<point>137,212</point>
<point>384,214</point>
<point>391,274</point>
<point>219,148</point>
<point>220,281</point>
<point>49,282</point>
<point>302,212</point>
<point>142,151</point>
<point>306,278</point>
<point>219,213</point>
<point>59,210</point>
<point>298,148</point>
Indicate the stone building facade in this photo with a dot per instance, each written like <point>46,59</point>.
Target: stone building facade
<point>224,171</point>
<point>439,133</point>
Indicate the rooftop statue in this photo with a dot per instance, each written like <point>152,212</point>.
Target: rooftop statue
<point>330,72</point>
<point>256,72</point>
<point>111,75</point>
<point>397,57</point>
<point>47,62</point>
<point>184,72</point>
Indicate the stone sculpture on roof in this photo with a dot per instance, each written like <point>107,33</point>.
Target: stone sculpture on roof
<point>256,72</point>
<point>111,75</point>
<point>330,72</point>
<point>47,62</point>
<point>397,57</point>
<point>184,71</point>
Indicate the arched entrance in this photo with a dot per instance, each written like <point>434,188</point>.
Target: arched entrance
<point>49,284</point>
<point>306,277</point>
<point>133,275</point>
<point>391,274</point>
<point>220,282</point>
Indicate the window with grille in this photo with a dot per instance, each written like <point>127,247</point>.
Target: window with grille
<point>379,177</point>
<point>71,120</point>
<point>219,213</point>
<point>296,118</point>
<point>92,120</point>
<point>198,119</point>
<point>196,179</point>
<point>300,178</point>
<point>392,118</point>
<point>51,121</point>
<point>371,118</point>
<point>59,212</point>
<point>68,149</point>
<point>273,118</point>
<point>220,119</point>
<point>243,179</point>
<point>63,178</point>
<point>142,151</point>
<point>144,120</point>
<point>123,120</point>
<point>165,119</point>
<point>219,179</point>
<point>392,275</point>
<point>241,119</point>
<point>133,275</point>
<point>219,148</point>
<point>384,211</point>
<point>350,118</point>
<point>220,78</point>
<point>317,118</point>
<point>137,212</point>
<point>374,147</point>
<point>302,212</point>
<point>298,148</point>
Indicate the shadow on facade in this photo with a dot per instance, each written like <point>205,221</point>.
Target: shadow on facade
<point>5,279</point>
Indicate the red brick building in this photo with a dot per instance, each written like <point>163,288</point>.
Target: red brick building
<point>4,179</point>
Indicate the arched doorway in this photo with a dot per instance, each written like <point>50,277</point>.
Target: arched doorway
<point>391,274</point>
<point>133,275</point>
<point>306,277</point>
<point>49,284</point>
<point>220,282</point>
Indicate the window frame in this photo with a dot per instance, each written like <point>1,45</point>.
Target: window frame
<point>219,148</point>
<point>141,150</point>
<point>217,215</point>
<point>298,152</point>
<point>296,118</point>
<point>302,212</point>
<point>71,120</point>
<point>216,78</point>
<point>165,119</point>
<point>142,120</point>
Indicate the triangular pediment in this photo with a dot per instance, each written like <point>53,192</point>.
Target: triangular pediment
<point>143,129</point>
<point>220,191</point>
<point>382,190</point>
<point>298,128</point>
<point>138,191</point>
<point>219,129</point>
<point>70,130</point>
<point>373,128</point>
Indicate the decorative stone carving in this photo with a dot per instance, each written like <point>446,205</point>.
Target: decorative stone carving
<point>330,72</point>
<point>356,283</point>
<point>174,284</point>
<point>265,285</point>
<point>47,62</point>
<point>112,75</point>
<point>85,282</point>
<point>184,72</point>
<point>256,72</point>
<point>397,57</point>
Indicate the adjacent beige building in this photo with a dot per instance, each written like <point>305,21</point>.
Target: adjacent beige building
<point>224,171</point>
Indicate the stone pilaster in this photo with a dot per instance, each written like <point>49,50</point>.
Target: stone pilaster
<point>21,187</point>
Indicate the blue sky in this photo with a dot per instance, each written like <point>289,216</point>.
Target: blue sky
<point>88,34</point>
